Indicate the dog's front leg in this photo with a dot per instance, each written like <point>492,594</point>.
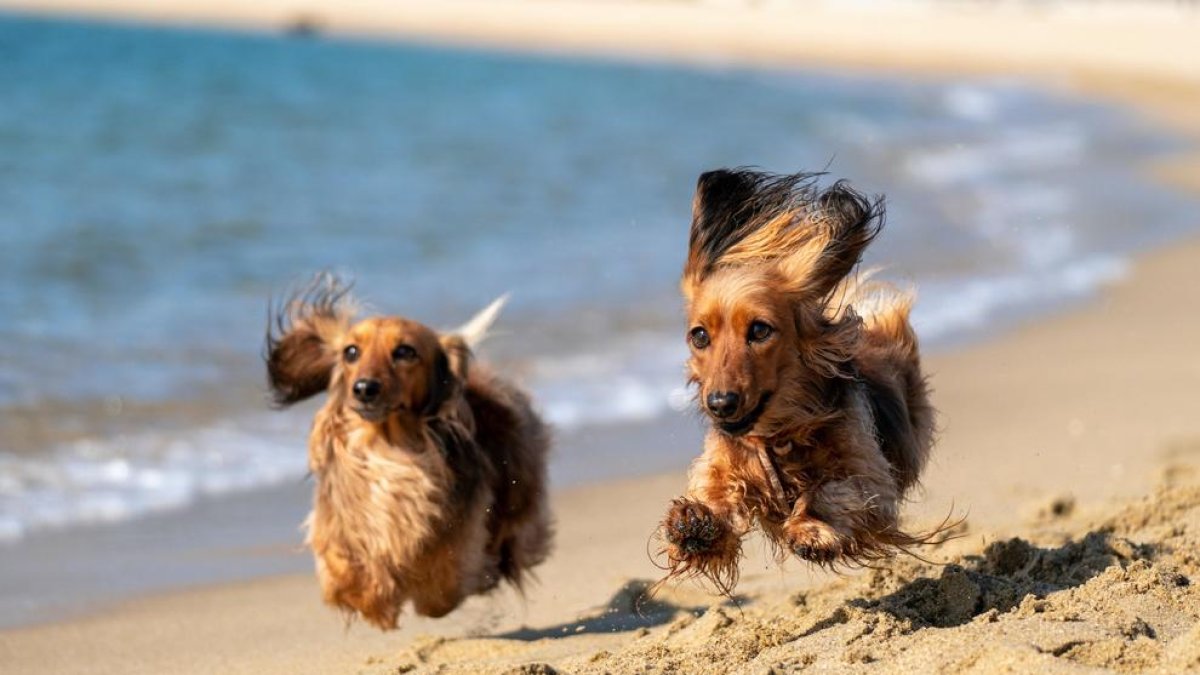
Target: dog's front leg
<point>809,532</point>
<point>704,529</point>
<point>851,519</point>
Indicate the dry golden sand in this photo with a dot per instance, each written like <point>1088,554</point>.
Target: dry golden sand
<point>1120,592</point>
<point>1052,435</point>
<point>1046,430</point>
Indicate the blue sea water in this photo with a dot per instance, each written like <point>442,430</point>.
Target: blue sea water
<point>158,186</point>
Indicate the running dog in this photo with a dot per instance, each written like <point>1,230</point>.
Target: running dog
<point>430,470</point>
<point>820,415</point>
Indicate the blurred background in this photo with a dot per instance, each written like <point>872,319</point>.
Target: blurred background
<point>158,185</point>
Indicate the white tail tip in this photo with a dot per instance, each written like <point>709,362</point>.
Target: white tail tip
<point>476,330</point>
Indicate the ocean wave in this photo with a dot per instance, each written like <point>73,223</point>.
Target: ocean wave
<point>947,310</point>
<point>94,481</point>
<point>1019,150</point>
<point>974,103</point>
<point>638,378</point>
<point>630,380</point>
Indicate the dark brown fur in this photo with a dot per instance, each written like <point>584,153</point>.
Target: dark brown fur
<point>436,491</point>
<point>833,422</point>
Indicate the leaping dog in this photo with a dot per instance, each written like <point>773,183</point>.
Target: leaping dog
<point>430,470</point>
<point>820,415</point>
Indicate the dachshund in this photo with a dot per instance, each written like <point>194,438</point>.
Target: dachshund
<point>430,471</point>
<point>811,379</point>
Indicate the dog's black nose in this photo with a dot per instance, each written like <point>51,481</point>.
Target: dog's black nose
<point>366,391</point>
<point>723,403</point>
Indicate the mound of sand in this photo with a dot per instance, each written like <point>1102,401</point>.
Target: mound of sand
<point>1120,592</point>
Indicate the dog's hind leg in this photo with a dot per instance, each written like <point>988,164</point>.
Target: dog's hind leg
<point>437,586</point>
<point>529,544</point>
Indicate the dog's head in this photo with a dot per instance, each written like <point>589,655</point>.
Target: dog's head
<point>767,257</point>
<point>375,367</point>
<point>393,365</point>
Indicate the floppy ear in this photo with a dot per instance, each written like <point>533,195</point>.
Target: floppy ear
<point>854,221</point>
<point>843,223</point>
<point>452,364</point>
<point>739,215</point>
<point>719,213</point>
<point>450,368</point>
<point>302,337</point>
<point>721,210</point>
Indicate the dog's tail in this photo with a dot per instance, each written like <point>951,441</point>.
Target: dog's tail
<point>883,307</point>
<point>885,310</point>
<point>474,332</point>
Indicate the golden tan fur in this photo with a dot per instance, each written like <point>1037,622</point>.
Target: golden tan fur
<point>820,414</point>
<point>431,489</point>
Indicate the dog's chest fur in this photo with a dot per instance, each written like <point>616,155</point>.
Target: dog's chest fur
<point>379,495</point>
<point>776,474</point>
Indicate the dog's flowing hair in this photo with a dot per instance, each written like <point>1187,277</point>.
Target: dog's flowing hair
<point>810,374</point>
<point>430,471</point>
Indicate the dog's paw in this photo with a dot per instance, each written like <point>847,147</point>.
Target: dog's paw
<point>815,541</point>
<point>692,528</point>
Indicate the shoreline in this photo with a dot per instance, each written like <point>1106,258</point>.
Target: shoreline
<point>255,535</point>
<point>1088,362</point>
<point>276,624</point>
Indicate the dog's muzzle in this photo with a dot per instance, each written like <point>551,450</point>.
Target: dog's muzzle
<point>739,426</point>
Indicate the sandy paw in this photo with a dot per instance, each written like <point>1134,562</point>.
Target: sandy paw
<point>815,541</point>
<point>692,528</point>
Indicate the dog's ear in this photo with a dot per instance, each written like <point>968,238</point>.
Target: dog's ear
<point>458,356</point>
<point>454,361</point>
<point>742,216</point>
<point>722,208</point>
<point>842,223</point>
<point>302,338</point>
<point>450,369</point>
<point>854,220</point>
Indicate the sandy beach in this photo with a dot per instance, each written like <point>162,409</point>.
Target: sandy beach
<point>1110,420</point>
<point>1071,445</point>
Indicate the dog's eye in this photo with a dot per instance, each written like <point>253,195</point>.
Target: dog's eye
<point>404,353</point>
<point>699,338</point>
<point>350,353</point>
<point>759,332</point>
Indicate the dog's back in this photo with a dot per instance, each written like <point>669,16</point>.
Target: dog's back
<point>889,365</point>
<point>517,443</point>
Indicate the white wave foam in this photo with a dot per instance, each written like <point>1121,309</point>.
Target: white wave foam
<point>1023,149</point>
<point>639,378</point>
<point>630,380</point>
<point>973,103</point>
<point>948,308</point>
<point>95,481</point>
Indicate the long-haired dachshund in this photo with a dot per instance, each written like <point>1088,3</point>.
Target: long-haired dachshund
<point>430,471</point>
<point>812,381</point>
